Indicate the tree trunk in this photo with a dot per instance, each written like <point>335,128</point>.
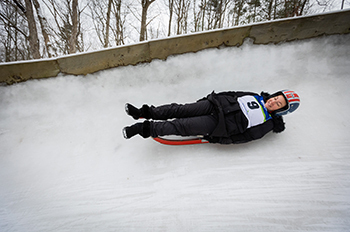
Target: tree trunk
<point>204,5</point>
<point>269,9</point>
<point>74,34</point>
<point>33,33</point>
<point>119,23</point>
<point>44,29</point>
<point>145,5</point>
<point>106,42</point>
<point>171,3</point>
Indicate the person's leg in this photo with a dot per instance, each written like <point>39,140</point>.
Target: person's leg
<point>194,126</point>
<point>170,111</point>
<point>136,113</point>
<point>141,128</point>
<point>175,110</point>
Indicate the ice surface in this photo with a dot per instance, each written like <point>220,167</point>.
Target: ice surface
<point>64,165</point>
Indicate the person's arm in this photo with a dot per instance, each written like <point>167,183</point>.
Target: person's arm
<point>237,93</point>
<point>250,134</point>
<point>231,93</point>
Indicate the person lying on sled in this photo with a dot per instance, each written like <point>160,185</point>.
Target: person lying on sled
<point>225,118</point>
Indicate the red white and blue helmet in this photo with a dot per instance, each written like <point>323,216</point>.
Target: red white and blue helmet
<point>292,99</point>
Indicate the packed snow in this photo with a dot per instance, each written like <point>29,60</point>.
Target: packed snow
<point>64,165</point>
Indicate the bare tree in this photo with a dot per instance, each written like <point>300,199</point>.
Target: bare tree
<point>69,37</point>
<point>254,10</point>
<point>238,11</point>
<point>13,33</point>
<point>106,40</point>
<point>97,10</point>
<point>290,8</point>
<point>119,18</point>
<point>181,9</point>
<point>269,9</point>
<point>199,14</point>
<point>26,34</point>
<point>33,33</point>
<point>171,9</point>
<point>44,29</point>
<point>74,33</point>
<point>203,7</point>
<point>145,5</point>
<point>215,12</point>
<point>111,21</point>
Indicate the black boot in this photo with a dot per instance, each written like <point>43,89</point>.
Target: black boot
<point>137,113</point>
<point>143,129</point>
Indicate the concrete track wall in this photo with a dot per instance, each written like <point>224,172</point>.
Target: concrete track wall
<point>262,33</point>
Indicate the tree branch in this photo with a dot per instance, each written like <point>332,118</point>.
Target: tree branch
<point>20,6</point>
<point>10,24</point>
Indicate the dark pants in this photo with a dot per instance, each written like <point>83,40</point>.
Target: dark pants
<point>189,119</point>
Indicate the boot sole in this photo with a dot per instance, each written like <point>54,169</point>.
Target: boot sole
<point>127,108</point>
<point>124,133</point>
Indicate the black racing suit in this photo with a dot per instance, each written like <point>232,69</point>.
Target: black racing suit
<point>217,117</point>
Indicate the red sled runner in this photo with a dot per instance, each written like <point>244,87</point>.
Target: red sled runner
<point>180,141</point>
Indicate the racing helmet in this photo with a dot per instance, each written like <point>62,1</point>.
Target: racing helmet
<point>292,99</point>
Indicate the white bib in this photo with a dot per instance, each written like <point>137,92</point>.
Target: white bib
<point>253,107</point>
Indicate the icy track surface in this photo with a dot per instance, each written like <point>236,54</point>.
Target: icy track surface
<point>64,165</point>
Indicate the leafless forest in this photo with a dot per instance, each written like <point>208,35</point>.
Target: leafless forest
<point>35,29</point>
